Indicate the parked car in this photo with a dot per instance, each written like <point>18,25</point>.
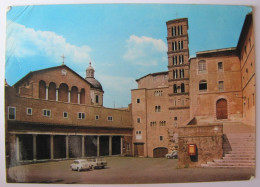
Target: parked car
<point>81,164</point>
<point>173,154</point>
<point>97,162</point>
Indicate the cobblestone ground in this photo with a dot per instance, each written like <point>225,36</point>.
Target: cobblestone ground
<point>123,170</point>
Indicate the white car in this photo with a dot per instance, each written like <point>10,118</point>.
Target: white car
<point>97,162</point>
<point>173,154</point>
<point>81,164</point>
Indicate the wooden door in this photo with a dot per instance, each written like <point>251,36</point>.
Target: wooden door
<point>221,109</point>
<point>138,149</point>
<point>160,152</point>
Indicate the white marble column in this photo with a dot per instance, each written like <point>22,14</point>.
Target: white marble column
<point>52,147</point>
<point>98,146</point>
<point>68,96</point>
<point>17,149</point>
<point>57,94</point>
<point>34,147</point>
<point>47,93</point>
<point>121,141</point>
<point>67,146</point>
<point>79,98</point>
<point>83,146</point>
<point>110,145</point>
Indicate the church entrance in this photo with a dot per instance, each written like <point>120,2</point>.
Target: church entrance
<point>221,109</point>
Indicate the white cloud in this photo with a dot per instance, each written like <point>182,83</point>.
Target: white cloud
<point>25,42</point>
<point>145,51</point>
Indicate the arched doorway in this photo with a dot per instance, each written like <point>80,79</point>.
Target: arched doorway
<point>160,152</point>
<point>221,109</point>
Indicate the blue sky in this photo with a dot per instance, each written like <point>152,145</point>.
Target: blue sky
<point>123,41</point>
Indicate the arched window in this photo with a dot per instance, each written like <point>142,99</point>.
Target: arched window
<point>97,99</point>
<point>203,85</point>
<point>74,94</point>
<point>174,88</point>
<point>181,73</point>
<point>175,74</point>
<point>63,92</point>
<point>173,31</point>
<point>182,88</point>
<point>52,91</point>
<point>202,67</point>
<point>42,90</point>
<point>82,96</point>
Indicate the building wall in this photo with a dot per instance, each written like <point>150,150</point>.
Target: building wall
<point>29,87</point>
<point>203,102</point>
<point>120,118</point>
<point>154,80</point>
<point>247,56</point>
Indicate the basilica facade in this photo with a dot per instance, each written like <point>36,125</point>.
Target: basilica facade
<point>203,101</point>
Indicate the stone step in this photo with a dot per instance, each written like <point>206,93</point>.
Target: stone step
<point>230,164</point>
<point>208,166</point>
<point>239,156</point>
<point>234,161</point>
<point>239,146</point>
<point>235,158</point>
<point>241,152</point>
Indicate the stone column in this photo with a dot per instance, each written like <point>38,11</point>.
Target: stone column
<point>68,96</point>
<point>57,94</point>
<point>52,147</point>
<point>34,147</point>
<point>78,97</point>
<point>67,146</point>
<point>17,149</point>
<point>98,145</point>
<point>83,146</point>
<point>110,145</point>
<point>121,141</point>
<point>47,93</point>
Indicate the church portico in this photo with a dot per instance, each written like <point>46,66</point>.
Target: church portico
<point>33,147</point>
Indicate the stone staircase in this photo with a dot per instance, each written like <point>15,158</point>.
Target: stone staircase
<point>238,150</point>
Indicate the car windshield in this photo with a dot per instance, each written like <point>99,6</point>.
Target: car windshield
<point>76,162</point>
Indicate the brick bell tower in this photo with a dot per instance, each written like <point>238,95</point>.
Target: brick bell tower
<point>178,67</point>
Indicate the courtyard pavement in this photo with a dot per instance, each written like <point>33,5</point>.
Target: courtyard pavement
<point>123,170</point>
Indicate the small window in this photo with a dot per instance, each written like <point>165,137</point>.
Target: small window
<point>97,117</point>
<point>202,66</point>
<point>46,112</point>
<point>175,118</point>
<point>173,31</point>
<point>174,60</point>
<point>81,115</point>
<point>110,118</point>
<point>157,108</point>
<point>203,85</point>
<point>161,138</point>
<point>12,113</point>
<point>65,114</point>
<point>97,99</point>
<point>181,59</point>
<point>128,146</point>
<point>138,120</point>
<point>137,100</point>
<point>175,90</point>
<point>220,66</point>
<point>29,111</point>
<point>221,85</point>
<point>182,88</point>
